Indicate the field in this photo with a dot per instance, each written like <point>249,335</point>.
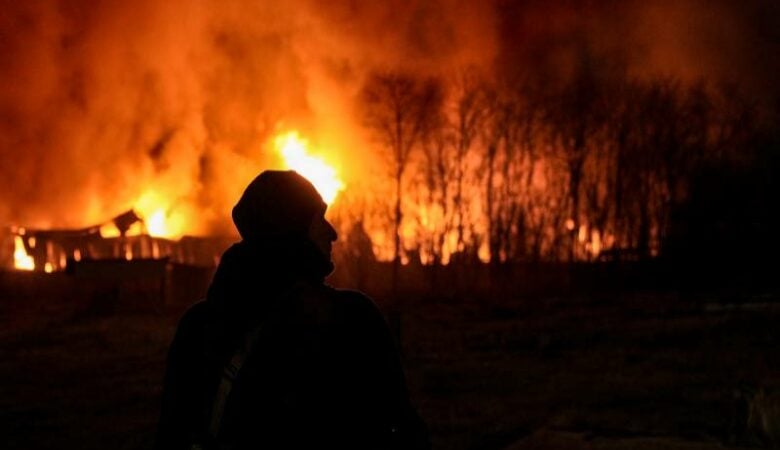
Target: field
<point>597,371</point>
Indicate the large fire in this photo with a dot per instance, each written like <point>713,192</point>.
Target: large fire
<point>156,217</point>
<point>324,177</point>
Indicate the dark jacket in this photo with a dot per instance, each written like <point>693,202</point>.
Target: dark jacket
<point>324,372</point>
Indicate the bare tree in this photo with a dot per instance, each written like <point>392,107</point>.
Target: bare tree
<point>512,153</point>
<point>438,167</point>
<point>467,111</point>
<point>397,108</point>
<point>501,116</point>
<point>574,117</point>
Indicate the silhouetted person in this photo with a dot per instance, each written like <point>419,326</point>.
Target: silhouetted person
<point>274,358</point>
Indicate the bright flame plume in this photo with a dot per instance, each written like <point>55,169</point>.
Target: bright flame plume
<point>154,208</point>
<point>294,151</point>
<point>22,260</point>
<point>158,218</point>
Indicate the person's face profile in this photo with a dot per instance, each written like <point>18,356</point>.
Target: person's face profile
<point>322,234</point>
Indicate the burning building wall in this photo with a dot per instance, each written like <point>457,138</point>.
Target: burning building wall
<point>125,238</point>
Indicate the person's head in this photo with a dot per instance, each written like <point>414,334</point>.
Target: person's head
<point>283,207</point>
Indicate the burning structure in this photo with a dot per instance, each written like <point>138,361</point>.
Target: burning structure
<point>133,235</point>
<point>125,237</point>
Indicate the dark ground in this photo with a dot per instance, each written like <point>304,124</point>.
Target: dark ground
<point>633,371</point>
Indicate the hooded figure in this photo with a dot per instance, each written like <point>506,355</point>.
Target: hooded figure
<point>274,358</point>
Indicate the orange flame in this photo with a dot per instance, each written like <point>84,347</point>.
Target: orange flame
<point>22,260</point>
<point>324,177</point>
<point>109,230</point>
<point>158,215</point>
<point>159,218</point>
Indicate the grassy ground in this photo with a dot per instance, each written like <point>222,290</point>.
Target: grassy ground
<point>604,372</point>
<point>620,372</point>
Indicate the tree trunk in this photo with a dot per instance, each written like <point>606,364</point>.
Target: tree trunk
<point>397,231</point>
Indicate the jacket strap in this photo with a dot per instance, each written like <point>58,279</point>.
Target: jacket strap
<point>236,362</point>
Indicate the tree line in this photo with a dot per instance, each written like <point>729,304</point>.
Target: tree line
<point>587,167</point>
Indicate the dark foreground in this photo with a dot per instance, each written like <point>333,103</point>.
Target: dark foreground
<point>631,371</point>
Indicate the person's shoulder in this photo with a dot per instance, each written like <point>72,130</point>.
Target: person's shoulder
<point>355,302</point>
<point>351,297</point>
<point>196,318</point>
<point>197,312</point>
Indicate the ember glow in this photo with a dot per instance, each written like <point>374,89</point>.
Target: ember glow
<point>295,153</point>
